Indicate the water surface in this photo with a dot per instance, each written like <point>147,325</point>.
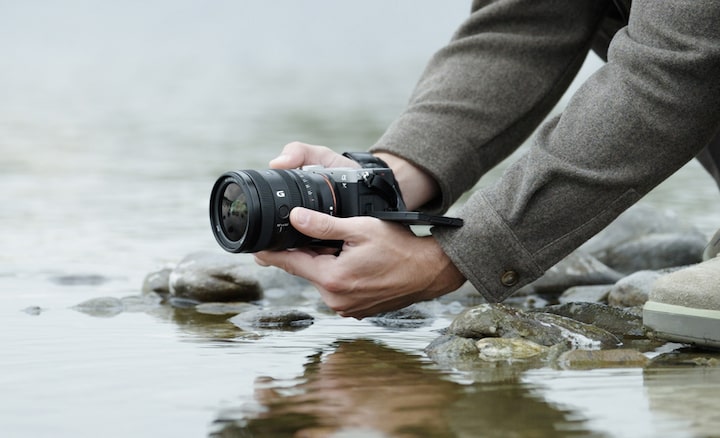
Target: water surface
<point>115,119</point>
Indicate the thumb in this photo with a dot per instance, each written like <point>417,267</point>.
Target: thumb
<point>320,225</point>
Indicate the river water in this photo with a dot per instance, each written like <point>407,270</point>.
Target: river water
<point>115,119</point>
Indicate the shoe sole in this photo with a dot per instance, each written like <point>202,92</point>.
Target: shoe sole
<point>683,324</point>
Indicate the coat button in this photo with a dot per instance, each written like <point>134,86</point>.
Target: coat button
<point>509,278</point>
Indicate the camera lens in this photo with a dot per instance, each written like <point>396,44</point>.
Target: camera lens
<point>234,212</point>
<point>249,210</point>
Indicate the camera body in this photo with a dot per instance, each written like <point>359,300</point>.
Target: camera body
<point>250,210</point>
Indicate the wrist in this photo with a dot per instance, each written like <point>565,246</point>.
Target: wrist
<point>416,185</point>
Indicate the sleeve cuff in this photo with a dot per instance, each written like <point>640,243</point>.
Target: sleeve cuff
<point>487,252</point>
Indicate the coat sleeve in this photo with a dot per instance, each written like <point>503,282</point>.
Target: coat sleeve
<point>648,111</point>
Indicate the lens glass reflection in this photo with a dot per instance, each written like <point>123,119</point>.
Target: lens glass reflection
<point>234,212</point>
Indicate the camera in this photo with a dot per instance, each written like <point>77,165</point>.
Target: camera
<point>250,209</point>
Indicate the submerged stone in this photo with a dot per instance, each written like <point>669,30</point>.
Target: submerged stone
<point>281,319</point>
<point>101,307</point>
<point>585,359</point>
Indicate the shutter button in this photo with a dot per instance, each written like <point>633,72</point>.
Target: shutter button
<point>509,278</point>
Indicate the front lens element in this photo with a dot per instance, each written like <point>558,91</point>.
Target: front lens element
<point>234,212</point>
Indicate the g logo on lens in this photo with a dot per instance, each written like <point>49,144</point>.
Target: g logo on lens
<point>249,209</point>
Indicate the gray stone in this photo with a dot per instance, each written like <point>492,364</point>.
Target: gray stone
<point>578,268</point>
<point>209,277</point>
<point>141,303</point>
<point>280,319</point>
<point>80,280</point>
<point>656,251</point>
<point>618,321</point>
<point>639,220</point>
<point>633,290</point>
<point>102,307</point>
<point>157,282</point>
<point>497,320</point>
<point>412,316</point>
<point>451,347</point>
<point>586,294</point>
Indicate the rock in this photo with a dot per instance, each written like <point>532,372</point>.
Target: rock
<point>494,349</point>
<point>586,294</point>
<point>412,316</point>
<point>618,321</point>
<point>578,268</point>
<point>451,347</point>
<point>157,282</point>
<point>207,277</point>
<point>639,220</point>
<point>101,307</point>
<point>224,308</point>
<point>586,359</point>
<point>287,319</point>
<point>497,320</point>
<point>633,290</point>
<point>656,251</point>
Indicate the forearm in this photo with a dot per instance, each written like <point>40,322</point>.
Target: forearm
<point>639,119</point>
<point>485,92</point>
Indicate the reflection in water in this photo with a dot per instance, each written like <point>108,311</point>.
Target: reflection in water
<point>687,396</point>
<point>362,388</point>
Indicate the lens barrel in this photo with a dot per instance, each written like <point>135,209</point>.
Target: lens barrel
<point>250,210</point>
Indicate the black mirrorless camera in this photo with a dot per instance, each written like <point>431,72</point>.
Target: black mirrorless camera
<point>249,209</point>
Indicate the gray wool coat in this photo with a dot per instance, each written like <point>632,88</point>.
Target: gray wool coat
<point>650,109</point>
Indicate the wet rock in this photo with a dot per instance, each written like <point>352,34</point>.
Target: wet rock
<point>157,282</point>
<point>586,294</point>
<point>585,359</point>
<point>287,319</point>
<point>656,251</point>
<point>618,321</point>
<point>224,308</point>
<point>101,307</point>
<point>497,320</point>
<point>578,268</point>
<point>412,316</point>
<point>494,349</point>
<point>633,290</point>
<point>208,277</point>
<point>451,347</point>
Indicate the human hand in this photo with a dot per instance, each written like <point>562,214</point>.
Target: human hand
<point>382,266</point>
<point>298,154</point>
